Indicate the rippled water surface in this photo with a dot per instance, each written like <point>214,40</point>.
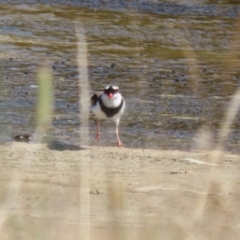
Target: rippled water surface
<point>177,74</point>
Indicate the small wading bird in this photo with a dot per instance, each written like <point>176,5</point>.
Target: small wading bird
<point>108,105</point>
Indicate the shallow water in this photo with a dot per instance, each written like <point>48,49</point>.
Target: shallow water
<point>175,72</point>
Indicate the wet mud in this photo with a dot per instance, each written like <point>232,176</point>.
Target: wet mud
<point>173,69</point>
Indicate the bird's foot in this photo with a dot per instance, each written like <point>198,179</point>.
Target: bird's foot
<point>97,137</point>
<point>119,144</point>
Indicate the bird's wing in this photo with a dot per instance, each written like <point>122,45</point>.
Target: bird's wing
<point>94,98</point>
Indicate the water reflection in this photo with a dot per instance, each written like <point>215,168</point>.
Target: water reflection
<point>171,71</point>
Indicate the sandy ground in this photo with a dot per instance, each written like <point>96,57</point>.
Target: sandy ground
<point>117,193</point>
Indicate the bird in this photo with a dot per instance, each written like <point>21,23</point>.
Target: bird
<point>108,105</point>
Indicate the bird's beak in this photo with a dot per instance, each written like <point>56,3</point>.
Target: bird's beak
<point>110,95</point>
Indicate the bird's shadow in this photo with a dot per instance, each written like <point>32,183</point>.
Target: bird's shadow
<point>62,146</point>
<point>51,144</point>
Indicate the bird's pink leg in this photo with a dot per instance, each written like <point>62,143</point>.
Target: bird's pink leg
<point>119,143</point>
<point>98,131</point>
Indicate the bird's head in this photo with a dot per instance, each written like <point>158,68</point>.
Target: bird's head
<point>111,91</point>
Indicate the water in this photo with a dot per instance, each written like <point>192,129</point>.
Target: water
<point>174,71</point>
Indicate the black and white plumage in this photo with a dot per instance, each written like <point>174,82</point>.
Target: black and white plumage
<point>108,105</point>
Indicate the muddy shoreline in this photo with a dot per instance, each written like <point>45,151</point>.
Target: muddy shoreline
<point>142,53</point>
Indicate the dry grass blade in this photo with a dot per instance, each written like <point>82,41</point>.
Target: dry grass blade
<point>45,102</point>
<point>82,52</point>
<point>211,206</point>
<point>190,58</point>
<point>15,186</point>
<point>2,102</point>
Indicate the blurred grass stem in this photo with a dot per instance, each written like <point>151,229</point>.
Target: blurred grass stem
<point>84,103</point>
